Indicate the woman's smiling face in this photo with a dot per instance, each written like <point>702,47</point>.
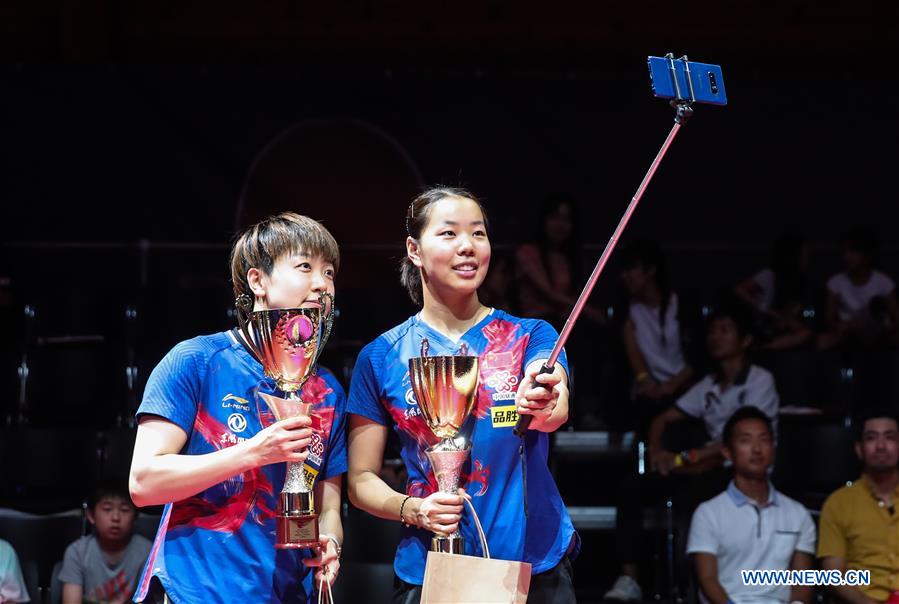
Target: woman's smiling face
<point>454,250</point>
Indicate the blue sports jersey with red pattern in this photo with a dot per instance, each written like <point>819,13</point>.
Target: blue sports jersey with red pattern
<point>381,391</point>
<point>218,546</point>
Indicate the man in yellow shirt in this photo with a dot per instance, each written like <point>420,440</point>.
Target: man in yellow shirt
<point>859,527</point>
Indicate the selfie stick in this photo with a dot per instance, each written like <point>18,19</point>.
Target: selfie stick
<point>684,109</point>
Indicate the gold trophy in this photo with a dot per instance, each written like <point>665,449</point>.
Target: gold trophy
<point>287,342</point>
<point>445,388</point>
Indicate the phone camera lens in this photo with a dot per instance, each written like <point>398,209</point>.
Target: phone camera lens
<point>713,83</point>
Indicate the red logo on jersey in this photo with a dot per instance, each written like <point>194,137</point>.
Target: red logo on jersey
<point>500,363</point>
<point>315,390</point>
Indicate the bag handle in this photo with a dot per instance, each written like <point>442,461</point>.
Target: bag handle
<point>477,523</point>
<point>322,598</point>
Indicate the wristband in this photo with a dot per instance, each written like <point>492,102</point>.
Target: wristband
<point>336,543</point>
<point>642,377</point>
<point>402,507</point>
<point>678,460</point>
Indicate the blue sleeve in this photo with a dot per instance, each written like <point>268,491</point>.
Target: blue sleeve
<point>365,391</point>
<point>335,463</point>
<point>173,390</point>
<point>540,345</point>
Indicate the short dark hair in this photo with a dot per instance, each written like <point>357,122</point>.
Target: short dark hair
<point>875,413</point>
<point>262,244</point>
<point>736,312</point>
<point>741,414</point>
<point>863,240</point>
<point>102,490</point>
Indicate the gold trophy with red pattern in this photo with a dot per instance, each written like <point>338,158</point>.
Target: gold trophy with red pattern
<point>287,342</point>
<point>445,388</point>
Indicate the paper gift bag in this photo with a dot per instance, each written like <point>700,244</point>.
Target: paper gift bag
<point>458,579</point>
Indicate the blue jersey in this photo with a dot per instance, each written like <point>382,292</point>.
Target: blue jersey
<point>218,546</point>
<point>381,391</point>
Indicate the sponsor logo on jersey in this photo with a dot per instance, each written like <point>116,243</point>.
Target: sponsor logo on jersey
<point>316,449</point>
<point>504,416</point>
<point>504,384</point>
<point>309,475</point>
<point>231,401</point>
<point>237,422</point>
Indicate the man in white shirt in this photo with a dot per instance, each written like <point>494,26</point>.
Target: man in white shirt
<point>750,526</point>
<point>862,307</point>
<point>735,384</point>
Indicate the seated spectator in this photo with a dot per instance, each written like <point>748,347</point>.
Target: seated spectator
<point>548,280</point>
<point>12,583</point>
<point>778,294</point>
<point>735,383</point>
<point>104,566</point>
<point>652,331</point>
<point>859,526</point>
<point>697,472</point>
<point>750,525</point>
<point>862,308</point>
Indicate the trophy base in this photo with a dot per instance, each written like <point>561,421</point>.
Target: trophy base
<point>296,525</point>
<point>448,544</point>
<point>296,532</point>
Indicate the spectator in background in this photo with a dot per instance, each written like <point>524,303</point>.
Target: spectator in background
<point>12,583</point>
<point>698,472</point>
<point>734,383</point>
<point>750,525</point>
<point>859,524</point>
<point>778,293</point>
<point>548,269</point>
<point>498,287</point>
<point>548,279</point>
<point>652,332</point>
<point>861,301</point>
<point>104,566</point>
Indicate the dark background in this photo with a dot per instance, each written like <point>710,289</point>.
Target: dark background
<point>137,137</point>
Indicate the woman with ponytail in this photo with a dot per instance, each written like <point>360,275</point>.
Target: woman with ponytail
<point>521,511</point>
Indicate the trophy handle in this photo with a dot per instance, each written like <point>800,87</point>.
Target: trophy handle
<point>325,323</point>
<point>244,306</point>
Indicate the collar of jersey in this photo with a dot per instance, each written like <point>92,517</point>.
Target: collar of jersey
<point>740,498</point>
<point>740,378</point>
<point>445,342</point>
